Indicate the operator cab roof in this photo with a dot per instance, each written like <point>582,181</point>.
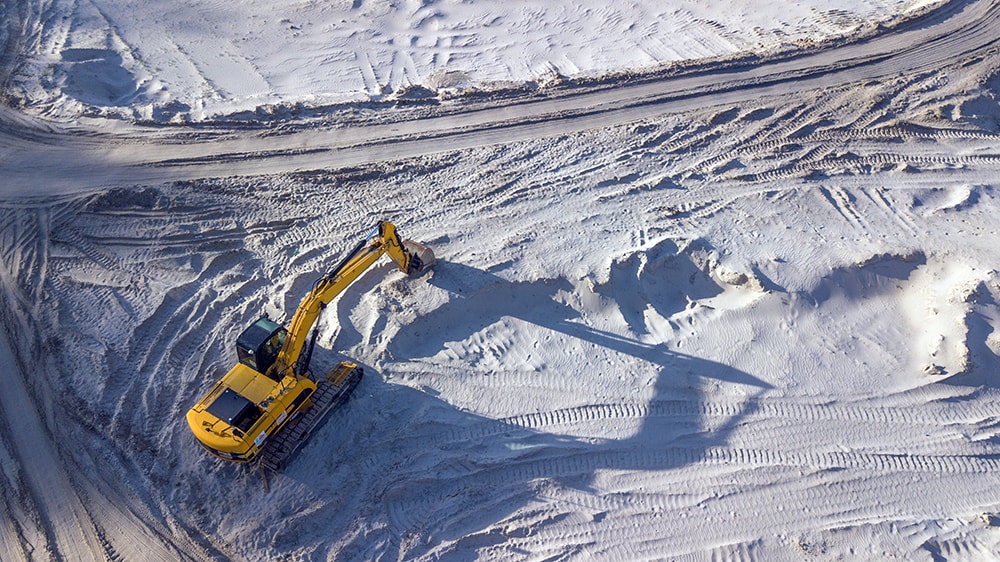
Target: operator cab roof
<point>256,333</point>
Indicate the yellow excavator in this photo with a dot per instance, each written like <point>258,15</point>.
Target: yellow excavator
<point>264,407</point>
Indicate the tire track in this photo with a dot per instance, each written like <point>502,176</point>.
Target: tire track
<point>426,504</point>
<point>19,505</point>
<point>59,499</point>
<point>69,236</point>
<point>843,202</point>
<point>69,531</point>
<point>158,342</point>
<point>812,503</point>
<point>839,136</point>
<point>951,33</point>
<point>876,162</point>
<point>929,415</point>
<point>614,455</point>
<point>895,212</point>
<point>829,160</point>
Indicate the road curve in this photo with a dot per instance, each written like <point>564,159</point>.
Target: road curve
<point>41,159</point>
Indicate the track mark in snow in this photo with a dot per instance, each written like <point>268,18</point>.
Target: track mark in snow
<point>367,70</point>
<point>843,202</point>
<point>958,33</point>
<point>895,211</point>
<point>68,529</point>
<point>797,413</point>
<point>68,235</point>
<point>590,475</point>
<point>76,521</point>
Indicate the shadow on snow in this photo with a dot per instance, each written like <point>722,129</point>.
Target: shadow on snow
<point>441,474</point>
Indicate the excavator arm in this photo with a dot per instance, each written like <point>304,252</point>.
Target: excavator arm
<point>269,397</point>
<point>411,257</point>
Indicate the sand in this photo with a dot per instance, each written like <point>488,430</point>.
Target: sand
<point>713,282</point>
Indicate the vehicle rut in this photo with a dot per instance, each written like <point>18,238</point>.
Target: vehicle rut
<point>956,32</point>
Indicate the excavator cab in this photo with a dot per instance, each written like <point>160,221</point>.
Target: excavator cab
<point>258,346</point>
<point>271,388</point>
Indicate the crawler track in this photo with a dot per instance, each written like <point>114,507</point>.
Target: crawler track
<point>328,396</point>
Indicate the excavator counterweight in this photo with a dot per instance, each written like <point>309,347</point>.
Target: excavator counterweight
<point>267,404</point>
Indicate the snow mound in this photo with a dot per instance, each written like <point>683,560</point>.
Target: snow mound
<point>673,282</point>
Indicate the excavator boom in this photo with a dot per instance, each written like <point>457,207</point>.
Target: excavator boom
<point>410,256</point>
<point>270,401</point>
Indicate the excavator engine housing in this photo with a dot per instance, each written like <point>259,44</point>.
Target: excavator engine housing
<point>267,404</point>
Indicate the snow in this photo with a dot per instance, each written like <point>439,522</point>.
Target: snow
<point>713,282</point>
<point>193,60</point>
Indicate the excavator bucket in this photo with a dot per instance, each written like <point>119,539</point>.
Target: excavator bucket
<point>421,257</point>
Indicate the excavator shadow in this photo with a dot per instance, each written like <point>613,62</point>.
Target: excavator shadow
<point>441,472</point>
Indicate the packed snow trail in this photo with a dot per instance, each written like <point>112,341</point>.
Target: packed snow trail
<point>76,159</point>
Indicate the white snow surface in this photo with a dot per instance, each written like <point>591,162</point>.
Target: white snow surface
<point>715,280</point>
<point>192,60</point>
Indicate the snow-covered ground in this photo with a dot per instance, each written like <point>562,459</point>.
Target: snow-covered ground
<point>715,281</point>
<point>191,60</point>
